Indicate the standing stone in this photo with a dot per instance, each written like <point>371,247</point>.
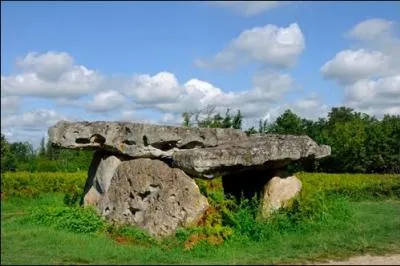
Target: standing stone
<point>153,196</point>
<point>278,192</point>
<point>101,171</point>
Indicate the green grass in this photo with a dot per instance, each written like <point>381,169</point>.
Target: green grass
<point>335,216</point>
<point>373,228</point>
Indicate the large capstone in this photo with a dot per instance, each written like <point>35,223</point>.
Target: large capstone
<point>200,152</point>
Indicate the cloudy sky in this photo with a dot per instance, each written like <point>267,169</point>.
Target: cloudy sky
<point>151,61</point>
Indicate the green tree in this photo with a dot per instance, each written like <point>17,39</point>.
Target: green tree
<point>262,126</point>
<point>186,119</point>
<point>8,161</point>
<point>237,120</point>
<point>51,152</point>
<point>340,115</point>
<point>218,121</point>
<point>42,148</point>
<point>23,151</point>
<point>227,121</point>
<point>288,123</point>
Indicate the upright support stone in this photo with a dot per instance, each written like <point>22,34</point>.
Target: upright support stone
<point>101,170</point>
<point>278,192</point>
<point>150,194</point>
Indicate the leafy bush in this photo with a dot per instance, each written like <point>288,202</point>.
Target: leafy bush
<point>78,220</point>
<point>73,196</point>
<point>316,205</point>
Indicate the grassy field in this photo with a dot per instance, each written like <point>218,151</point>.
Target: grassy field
<point>335,216</point>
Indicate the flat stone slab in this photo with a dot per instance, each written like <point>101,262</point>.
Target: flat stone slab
<point>201,152</point>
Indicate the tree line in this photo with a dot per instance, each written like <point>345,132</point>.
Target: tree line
<point>360,143</point>
<point>20,156</point>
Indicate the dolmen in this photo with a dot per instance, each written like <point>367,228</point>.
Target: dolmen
<point>143,174</point>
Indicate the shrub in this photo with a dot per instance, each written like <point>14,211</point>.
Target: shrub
<point>73,195</point>
<point>78,220</point>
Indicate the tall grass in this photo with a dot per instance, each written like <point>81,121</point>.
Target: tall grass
<point>354,186</point>
<point>32,184</point>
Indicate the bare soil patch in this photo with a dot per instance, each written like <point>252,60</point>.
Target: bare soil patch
<point>367,260</point>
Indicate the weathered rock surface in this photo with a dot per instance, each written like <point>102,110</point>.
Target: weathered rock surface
<point>278,192</point>
<point>101,171</point>
<point>151,195</point>
<point>197,151</point>
<point>265,151</point>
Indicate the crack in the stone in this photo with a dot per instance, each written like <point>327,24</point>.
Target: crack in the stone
<point>144,195</point>
<point>129,142</point>
<point>82,141</point>
<point>134,210</point>
<point>164,145</point>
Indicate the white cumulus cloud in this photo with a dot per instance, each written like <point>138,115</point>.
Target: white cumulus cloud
<point>36,120</point>
<point>268,87</point>
<point>349,66</point>
<point>162,87</point>
<point>370,29</point>
<point>369,75</point>
<point>273,45</point>
<point>50,75</point>
<point>106,101</point>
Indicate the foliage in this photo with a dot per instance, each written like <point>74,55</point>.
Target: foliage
<point>78,220</point>
<point>20,156</point>
<point>287,123</point>
<point>372,229</point>
<point>324,201</point>
<point>8,160</point>
<point>59,161</point>
<point>360,143</point>
<point>32,184</point>
<point>73,195</point>
<point>210,119</point>
<point>319,219</point>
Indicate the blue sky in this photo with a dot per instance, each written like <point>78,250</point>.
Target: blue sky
<point>150,61</point>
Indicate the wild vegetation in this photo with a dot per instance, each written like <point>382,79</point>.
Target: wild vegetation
<point>335,215</point>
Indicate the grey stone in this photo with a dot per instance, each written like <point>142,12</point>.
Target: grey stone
<point>265,151</point>
<point>201,152</point>
<point>153,196</point>
<point>278,192</point>
<point>101,171</point>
